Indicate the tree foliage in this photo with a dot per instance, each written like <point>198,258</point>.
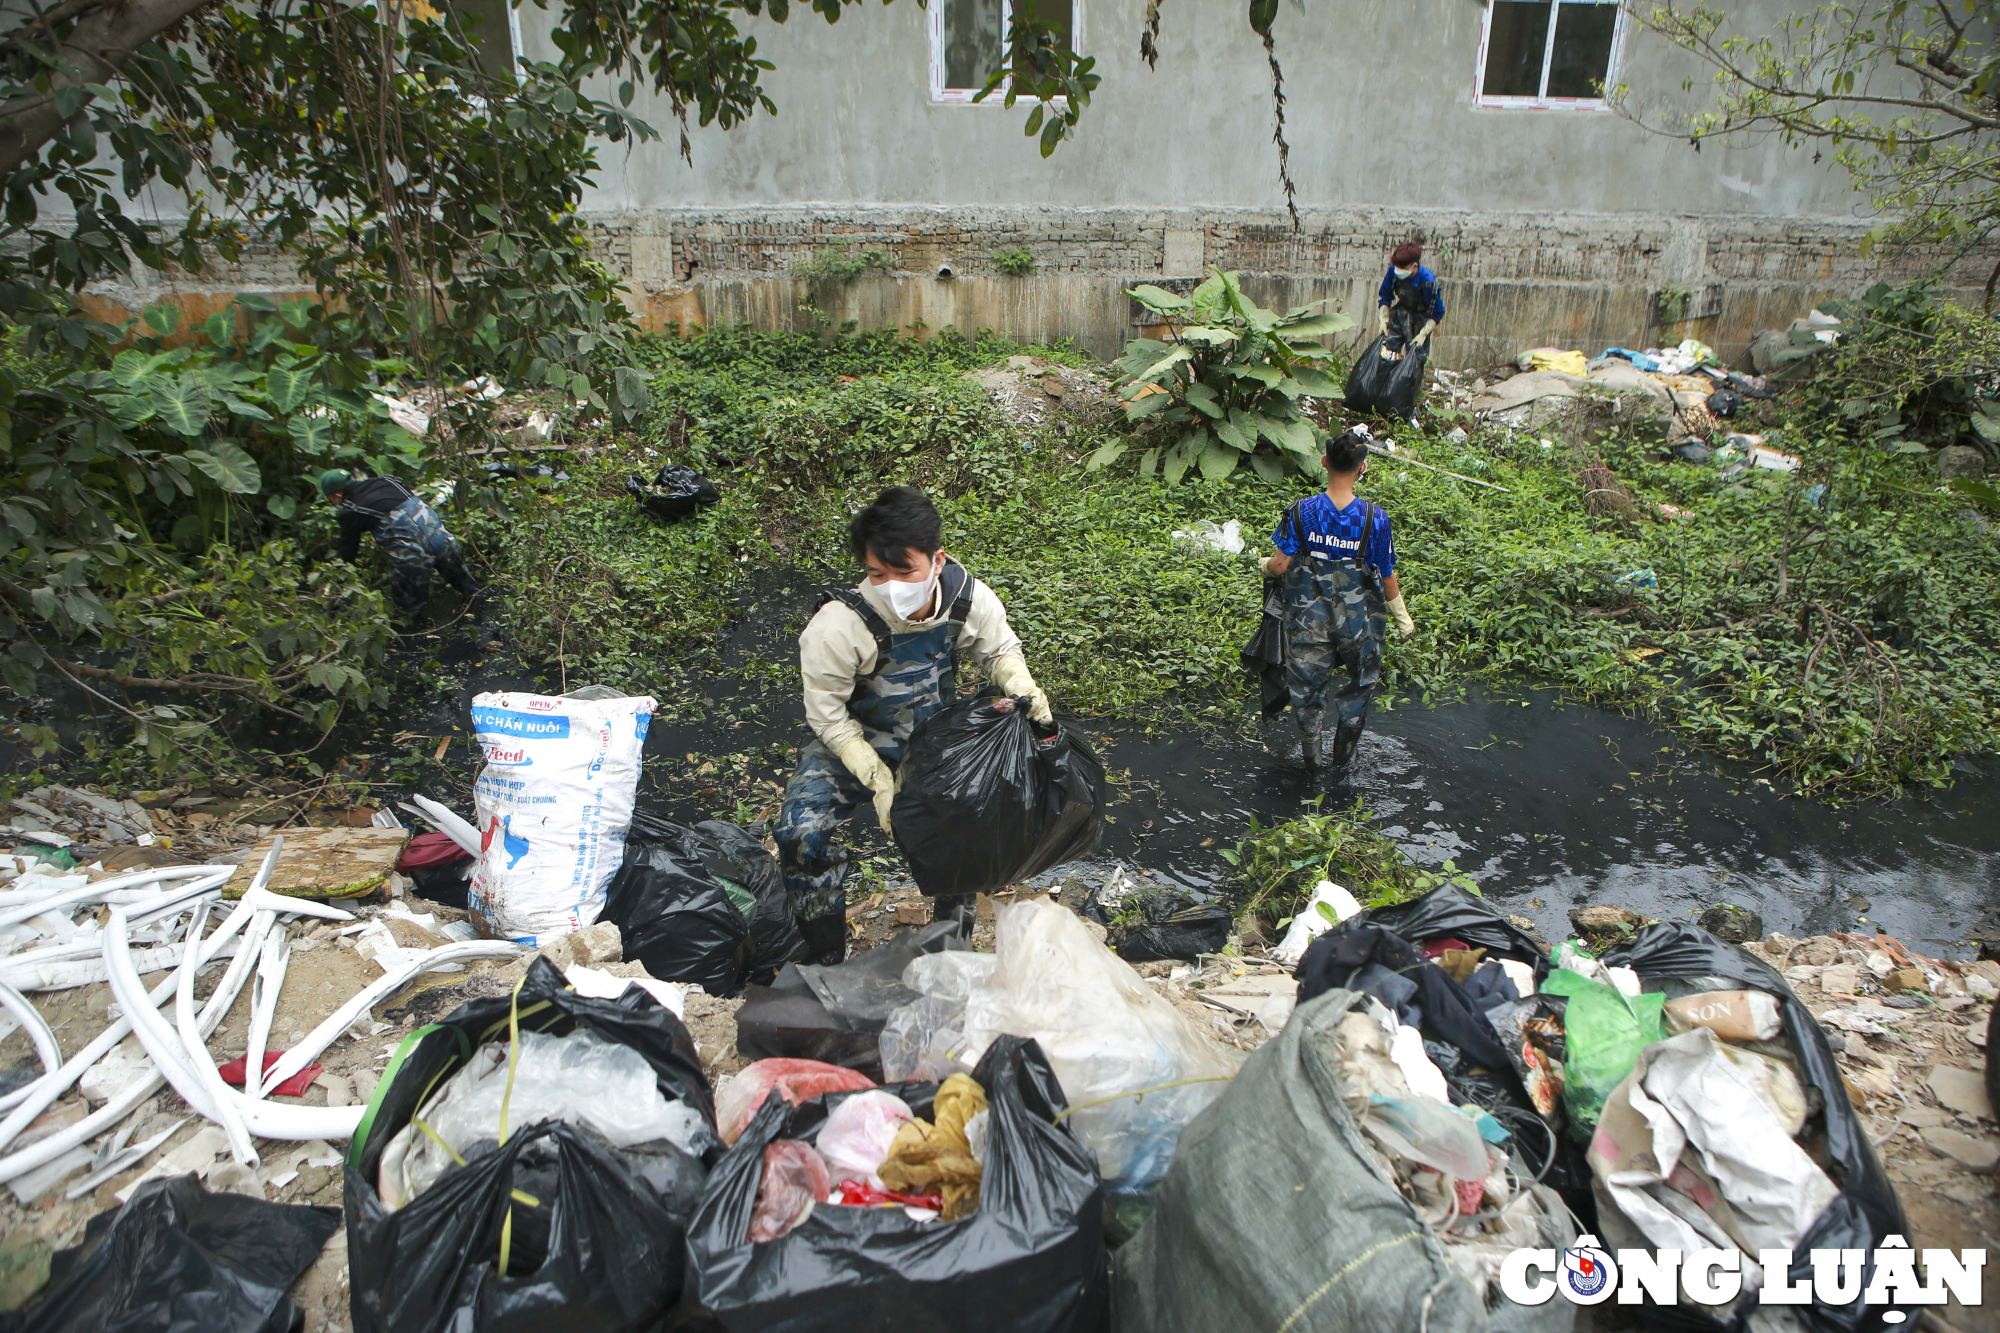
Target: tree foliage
<point>1904,93</point>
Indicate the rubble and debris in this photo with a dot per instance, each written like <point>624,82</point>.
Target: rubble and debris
<point>326,862</point>
<point>1032,391</point>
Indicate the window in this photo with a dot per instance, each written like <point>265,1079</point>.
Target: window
<point>967,37</point>
<point>1548,53</point>
<point>493,35</point>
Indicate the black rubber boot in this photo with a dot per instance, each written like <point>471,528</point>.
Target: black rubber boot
<point>962,908</point>
<point>826,940</point>
<point>1345,739</point>
<point>1309,740</point>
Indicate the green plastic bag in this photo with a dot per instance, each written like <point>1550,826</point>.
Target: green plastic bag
<point>1603,1033</point>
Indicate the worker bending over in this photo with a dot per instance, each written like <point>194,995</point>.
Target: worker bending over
<point>1337,566</point>
<point>877,659</point>
<point>407,531</point>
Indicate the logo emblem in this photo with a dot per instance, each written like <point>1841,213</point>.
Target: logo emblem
<point>1587,1274</point>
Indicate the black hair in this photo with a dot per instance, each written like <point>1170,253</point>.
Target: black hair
<point>1347,451</point>
<point>902,518</point>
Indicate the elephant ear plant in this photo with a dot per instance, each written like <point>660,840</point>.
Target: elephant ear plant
<point>1227,387</point>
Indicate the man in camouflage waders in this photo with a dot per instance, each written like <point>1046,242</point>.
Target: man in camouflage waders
<point>410,535</point>
<point>1336,567</point>
<point>877,659</point>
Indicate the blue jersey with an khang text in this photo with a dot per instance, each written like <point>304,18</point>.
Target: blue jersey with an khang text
<point>1336,533</point>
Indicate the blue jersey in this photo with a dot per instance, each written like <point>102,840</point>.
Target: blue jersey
<point>1337,535</point>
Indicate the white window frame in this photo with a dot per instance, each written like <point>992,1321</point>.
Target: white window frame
<point>943,96</point>
<point>1542,101</point>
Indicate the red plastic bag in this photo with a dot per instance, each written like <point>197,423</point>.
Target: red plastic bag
<point>295,1086</point>
<point>794,1180</point>
<point>740,1096</point>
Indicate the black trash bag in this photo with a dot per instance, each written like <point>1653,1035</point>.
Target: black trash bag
<point>1264,656</point>
<point>1452,913</point>
<point>1390,388</point>
<point>1369,954</point>
<point>1725,402</point>
<point>444,884</point>
<point>1866,1209</point>
<point>704,904</point>
<point>676,492</point>
<point>1150,924</point>
<point>1031,1258</point>
<point>836,1014</point>
<point>178,1259</point>
<point>601,1248</point>
<point>986,801</point>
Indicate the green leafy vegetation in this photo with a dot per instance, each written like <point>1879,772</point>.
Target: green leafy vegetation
<point>834,268</point>
<point>1228,386</point>
<point>1016,262</point>
<point>1278,867</point>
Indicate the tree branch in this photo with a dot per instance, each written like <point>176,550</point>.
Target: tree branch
<point>93,52</point>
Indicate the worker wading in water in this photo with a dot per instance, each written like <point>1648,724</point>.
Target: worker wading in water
<point>1336,564</point>
<point>877,659</point>
<point>410,535</point>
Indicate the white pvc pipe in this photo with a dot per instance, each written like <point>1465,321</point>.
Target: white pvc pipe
<point>70,973</point>
<point>50,1087</point>
<point>38,1028</point>
<point>264,988</point>
<point>195,1048</point>
<point>29,1102</point>
<point>266,1119</point>
<point>448,822</point>
<point>15,915</point>
<point>323,1036</point>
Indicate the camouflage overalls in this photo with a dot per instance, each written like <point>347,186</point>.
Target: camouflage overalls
<point>915,675</point>
<point>413,539</point>
<point>1335,611</point>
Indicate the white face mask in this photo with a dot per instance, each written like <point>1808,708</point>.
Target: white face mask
<point>908,600</point>
<point>1409,272</point>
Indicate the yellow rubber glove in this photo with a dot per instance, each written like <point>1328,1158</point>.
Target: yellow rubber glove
<point>865,764</point>
<point>1264,566</point>
<point>1401,615</point>
<point>1424,333</point>
<point>1382,319</point>
<point>1011,675</point>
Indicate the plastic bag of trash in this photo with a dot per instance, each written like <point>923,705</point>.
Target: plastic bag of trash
<point>1031,1257</point>
<point>675,492</point>
<point>1603,1032</point>
<point>1278,1213</point>
<point>1135,1067</point>
<point>703,904</point>
<point>555,1226</point>
<point>1147,923</point>
<point>1452,913</point>
<point>837,1014</point>
<point>1387,386</point>
<point>742,1094</point>
<point>985,800</point>
<point>858,1135</point>
<point>553,803</point>
<point>581,1078</point>
<point>925,1039</point>
<point>178,1259</point>
<point>1866,1210</point>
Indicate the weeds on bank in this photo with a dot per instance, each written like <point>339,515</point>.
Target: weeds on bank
<point>1278,867</point>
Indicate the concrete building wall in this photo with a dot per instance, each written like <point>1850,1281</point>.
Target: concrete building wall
<point>1547,226</point>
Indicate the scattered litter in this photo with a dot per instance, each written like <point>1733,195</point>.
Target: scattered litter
<point>295,1086</point>
<point>675,493</point>
<point>1204,535</point>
